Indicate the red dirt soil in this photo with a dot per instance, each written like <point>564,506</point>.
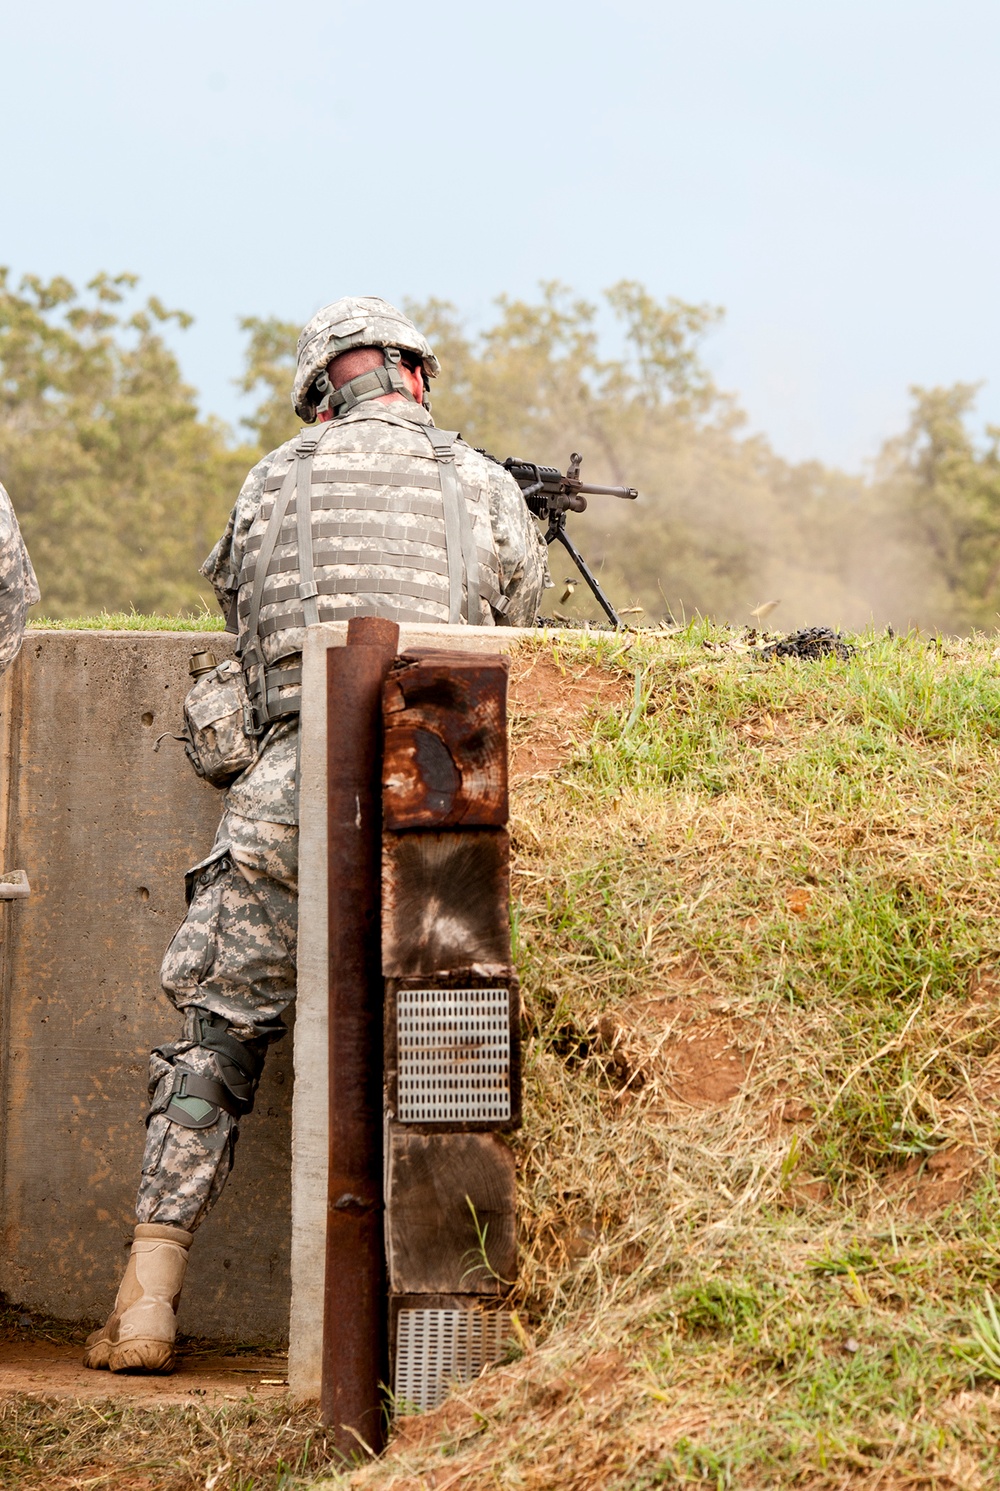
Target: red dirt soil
<point>547,705</point>
<point>51,1369</point>
<point>704,1058</point>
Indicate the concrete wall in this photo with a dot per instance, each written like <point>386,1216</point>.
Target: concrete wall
<point>105,829</point>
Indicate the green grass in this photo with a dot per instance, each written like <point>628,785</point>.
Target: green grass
<point>789,871</point>
<point>797,863</point>
<point>129,621</point>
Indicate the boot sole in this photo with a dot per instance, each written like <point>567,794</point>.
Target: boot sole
<point>154,1358</point>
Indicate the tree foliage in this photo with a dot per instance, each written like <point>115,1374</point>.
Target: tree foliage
<point>721,519</point>
<point>945,495</point>
<point>268,370</point>
<point>723,522</point>
<point>119,486</point>
<point>122,487</point>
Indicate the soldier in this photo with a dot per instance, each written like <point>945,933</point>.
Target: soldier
<point>18,586</point>
<point>405,521</point>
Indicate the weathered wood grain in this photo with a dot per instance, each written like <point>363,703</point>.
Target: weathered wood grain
<point>450,1223</point>
<point>445,902</point>
<point>445,763</point>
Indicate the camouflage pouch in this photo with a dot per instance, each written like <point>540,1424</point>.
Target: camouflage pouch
<point>218,728</point>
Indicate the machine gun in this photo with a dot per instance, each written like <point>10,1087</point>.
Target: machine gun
<point>550,494</point>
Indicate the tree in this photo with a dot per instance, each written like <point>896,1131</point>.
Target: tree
<point>946,498</point>
<point>722,523</point>
<point>268,371</point>
<point>120,487</point>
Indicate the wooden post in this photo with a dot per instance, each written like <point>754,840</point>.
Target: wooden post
<point>355,1355</point>
<point>452,1016</point>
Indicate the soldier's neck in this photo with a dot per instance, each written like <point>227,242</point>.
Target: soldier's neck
<point>385,398</point>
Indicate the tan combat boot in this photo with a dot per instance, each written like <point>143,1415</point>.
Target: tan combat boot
<point>139,1333</point>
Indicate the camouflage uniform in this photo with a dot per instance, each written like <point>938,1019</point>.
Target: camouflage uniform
<point>232,957</point>
<point>232,962</point>
<point>18,586</point>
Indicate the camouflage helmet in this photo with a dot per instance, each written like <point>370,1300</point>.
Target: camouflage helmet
<point>355,321</point>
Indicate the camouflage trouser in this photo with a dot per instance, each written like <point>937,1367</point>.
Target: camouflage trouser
<point>233,956</point>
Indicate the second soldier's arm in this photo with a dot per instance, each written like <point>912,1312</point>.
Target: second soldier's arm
<point>18,586</point>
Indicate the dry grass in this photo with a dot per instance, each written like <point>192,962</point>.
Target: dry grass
<point>235,1441</point>
<point>58,1445</point>
<point>757,919</point>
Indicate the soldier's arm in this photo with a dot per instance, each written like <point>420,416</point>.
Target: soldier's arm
<point>524,565</point>
<point>223,565</point>
<point>18,586</point>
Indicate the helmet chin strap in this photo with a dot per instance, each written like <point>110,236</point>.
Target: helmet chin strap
<point>371,385</point>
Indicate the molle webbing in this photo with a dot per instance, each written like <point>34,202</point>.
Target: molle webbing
<point>462,559</point>
<point>371,477</point>
<point>307,575</point>
<point>353,585</point>
<point>248,648</point>
<point>368,502</point>
<point>298,476</point>
<point>349,585</point>
<point>392,536</point>
<point>407,551</point>
<point>400,542</point>
<point>429,533</point>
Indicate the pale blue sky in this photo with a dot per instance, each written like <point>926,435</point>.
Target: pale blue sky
<point>829,173</point>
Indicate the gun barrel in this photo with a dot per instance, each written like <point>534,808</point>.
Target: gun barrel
<point>534,480</point>
<point>630,493</point>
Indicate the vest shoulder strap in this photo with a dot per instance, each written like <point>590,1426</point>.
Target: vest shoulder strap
<point>297,477</point>
<point>460,543</point>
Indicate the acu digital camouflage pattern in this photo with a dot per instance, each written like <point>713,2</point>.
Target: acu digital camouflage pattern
<point>380,429</point>
<point>378,531</point>
<point>18,586</point>
<point>353,321</point>
<point>268,792</point>
<point>235,953</point>
<point>183,1170</point>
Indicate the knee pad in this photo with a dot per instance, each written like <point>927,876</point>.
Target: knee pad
<point>195,1099</point>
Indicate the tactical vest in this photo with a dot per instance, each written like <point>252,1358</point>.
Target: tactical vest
<point>387,527</point>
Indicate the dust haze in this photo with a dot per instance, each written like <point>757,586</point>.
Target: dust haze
<point>724,527</point>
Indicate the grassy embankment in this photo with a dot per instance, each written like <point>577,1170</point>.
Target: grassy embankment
<point>758,909</point>
<point>758,921</point>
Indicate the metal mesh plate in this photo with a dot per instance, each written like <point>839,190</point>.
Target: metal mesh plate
<point>454,1055</point>
<point>435,1348</point>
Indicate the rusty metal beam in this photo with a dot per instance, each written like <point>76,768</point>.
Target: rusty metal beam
<point>355,1347</point>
